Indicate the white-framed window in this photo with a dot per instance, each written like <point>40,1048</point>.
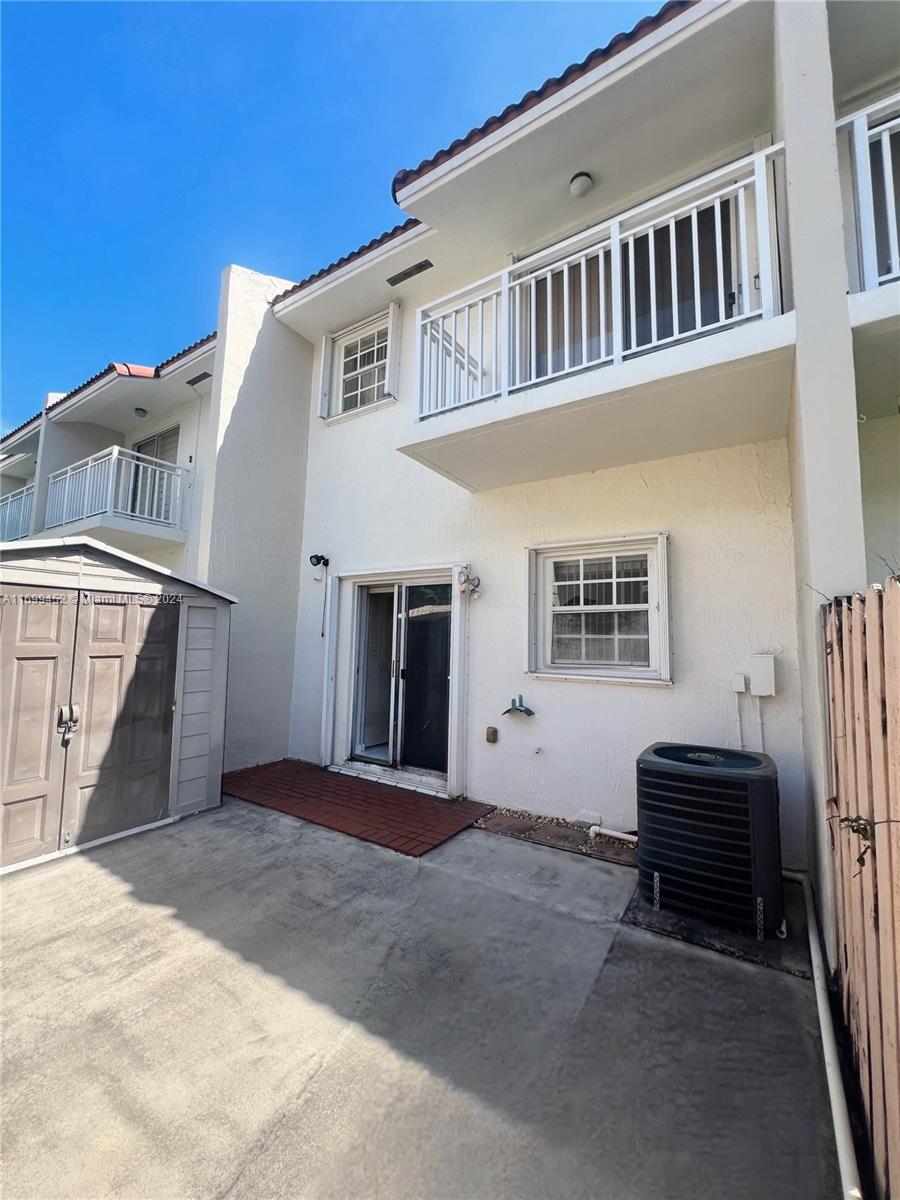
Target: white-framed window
<point>359,365</point>
<point>599,609</point>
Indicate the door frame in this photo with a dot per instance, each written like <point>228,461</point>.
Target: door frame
<point>362,635</point>
<point>336,744</point>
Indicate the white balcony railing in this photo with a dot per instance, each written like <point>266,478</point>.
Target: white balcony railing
<point>120,483</point>
<point>696,260</point>
<point>875,138</point>
<point>15,514</point>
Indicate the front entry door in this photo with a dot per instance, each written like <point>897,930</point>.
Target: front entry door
<point>37,632</point>
<point>88,685</point>
<point>425,677</point>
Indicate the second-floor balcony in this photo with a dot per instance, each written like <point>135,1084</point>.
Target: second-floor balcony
<point>694,262</point>
<point>131,496</point>
<point>587,322</point>
<point>15,513</point>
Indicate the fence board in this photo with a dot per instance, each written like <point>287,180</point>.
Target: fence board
<point>834,677</point>
<point>858,638</point>
<point>891,626</point>
<point>862,643</point>
<point>887,865</point>
<point>857,1014</point>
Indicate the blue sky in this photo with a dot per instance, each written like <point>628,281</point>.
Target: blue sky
<point>147,145</point>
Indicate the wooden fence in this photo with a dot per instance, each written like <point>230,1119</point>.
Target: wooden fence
<point>862,648</point>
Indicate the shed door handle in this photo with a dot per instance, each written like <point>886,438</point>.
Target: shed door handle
<point>67,720</point>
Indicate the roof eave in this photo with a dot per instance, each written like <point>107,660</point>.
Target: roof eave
<point>324,281</point>
<point>535,107</point>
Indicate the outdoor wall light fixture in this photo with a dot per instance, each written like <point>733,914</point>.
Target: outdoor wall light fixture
<point>468,583</point>
<point>580,184</point>
<point>319,562</point>
<point>140,412</point>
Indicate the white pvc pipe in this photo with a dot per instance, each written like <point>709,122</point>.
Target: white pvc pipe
<point>843,1136</point>
<point>597,830</point>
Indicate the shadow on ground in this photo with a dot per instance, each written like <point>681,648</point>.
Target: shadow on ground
<point>246,1005</point>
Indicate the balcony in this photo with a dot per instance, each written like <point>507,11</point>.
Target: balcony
<point>134,499</point>
<point>15,514</point>
<point>627,307</point>
<point>875,150</point>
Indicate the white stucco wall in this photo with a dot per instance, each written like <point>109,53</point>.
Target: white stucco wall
<point>825,475</point>
<point>254,452</point>
<point>879,460</point>
<point>732,592</point>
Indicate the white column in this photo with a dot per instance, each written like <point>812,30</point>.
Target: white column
<point>826,492</point>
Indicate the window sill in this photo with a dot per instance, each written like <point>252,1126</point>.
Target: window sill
<point>340,418</point>
<point>630,680</point>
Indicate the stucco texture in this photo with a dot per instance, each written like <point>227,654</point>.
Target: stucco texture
<point>731,593</point>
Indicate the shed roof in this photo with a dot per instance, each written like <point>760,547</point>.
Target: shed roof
<point>10,551</point>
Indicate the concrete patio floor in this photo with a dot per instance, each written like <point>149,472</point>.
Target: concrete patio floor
<point>246,1005</point>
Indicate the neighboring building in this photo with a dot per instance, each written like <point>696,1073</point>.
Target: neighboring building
<point>609,368</point>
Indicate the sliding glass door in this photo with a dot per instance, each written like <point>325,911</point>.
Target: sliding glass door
<point>402,706</point>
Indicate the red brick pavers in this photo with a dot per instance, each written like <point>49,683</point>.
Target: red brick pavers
<point>395,817</point>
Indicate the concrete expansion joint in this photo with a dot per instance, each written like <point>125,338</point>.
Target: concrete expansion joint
<point>260,1142</point>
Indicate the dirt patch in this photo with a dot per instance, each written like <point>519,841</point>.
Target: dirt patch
<point>558,834</point>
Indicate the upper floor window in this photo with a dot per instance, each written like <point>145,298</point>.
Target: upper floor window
<point>359,365</point>
<point>599,609</point>
<point>163,446</point>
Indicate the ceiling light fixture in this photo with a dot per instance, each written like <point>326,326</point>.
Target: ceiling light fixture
<point>580,184</point>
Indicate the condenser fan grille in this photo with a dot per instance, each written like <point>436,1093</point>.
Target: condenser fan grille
<point>699,845</point>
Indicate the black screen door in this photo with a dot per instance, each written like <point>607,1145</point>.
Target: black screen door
<point>426,678</point>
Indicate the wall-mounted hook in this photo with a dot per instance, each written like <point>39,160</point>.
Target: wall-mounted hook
<point>518,706</point>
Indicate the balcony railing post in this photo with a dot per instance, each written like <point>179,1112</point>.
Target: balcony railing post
<point>172,498</point>
<point>113,470</point>
<point>616,296</point>
<point>505,320</point>
<point>865,205</point>
<point>763,237</point>
<point>65,505</point>
<point>421,382</point>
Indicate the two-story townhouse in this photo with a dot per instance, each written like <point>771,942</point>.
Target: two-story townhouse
<point>599,422</point>
<point>609,413</point>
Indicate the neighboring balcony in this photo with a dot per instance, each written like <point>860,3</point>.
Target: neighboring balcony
<point>609,347</point>
<point>15,514</point>
<point>869,156</point>
<point>135,501</point>
<point>875,140</point>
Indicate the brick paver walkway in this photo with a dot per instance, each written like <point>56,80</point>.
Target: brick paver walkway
<point>395,817</point>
